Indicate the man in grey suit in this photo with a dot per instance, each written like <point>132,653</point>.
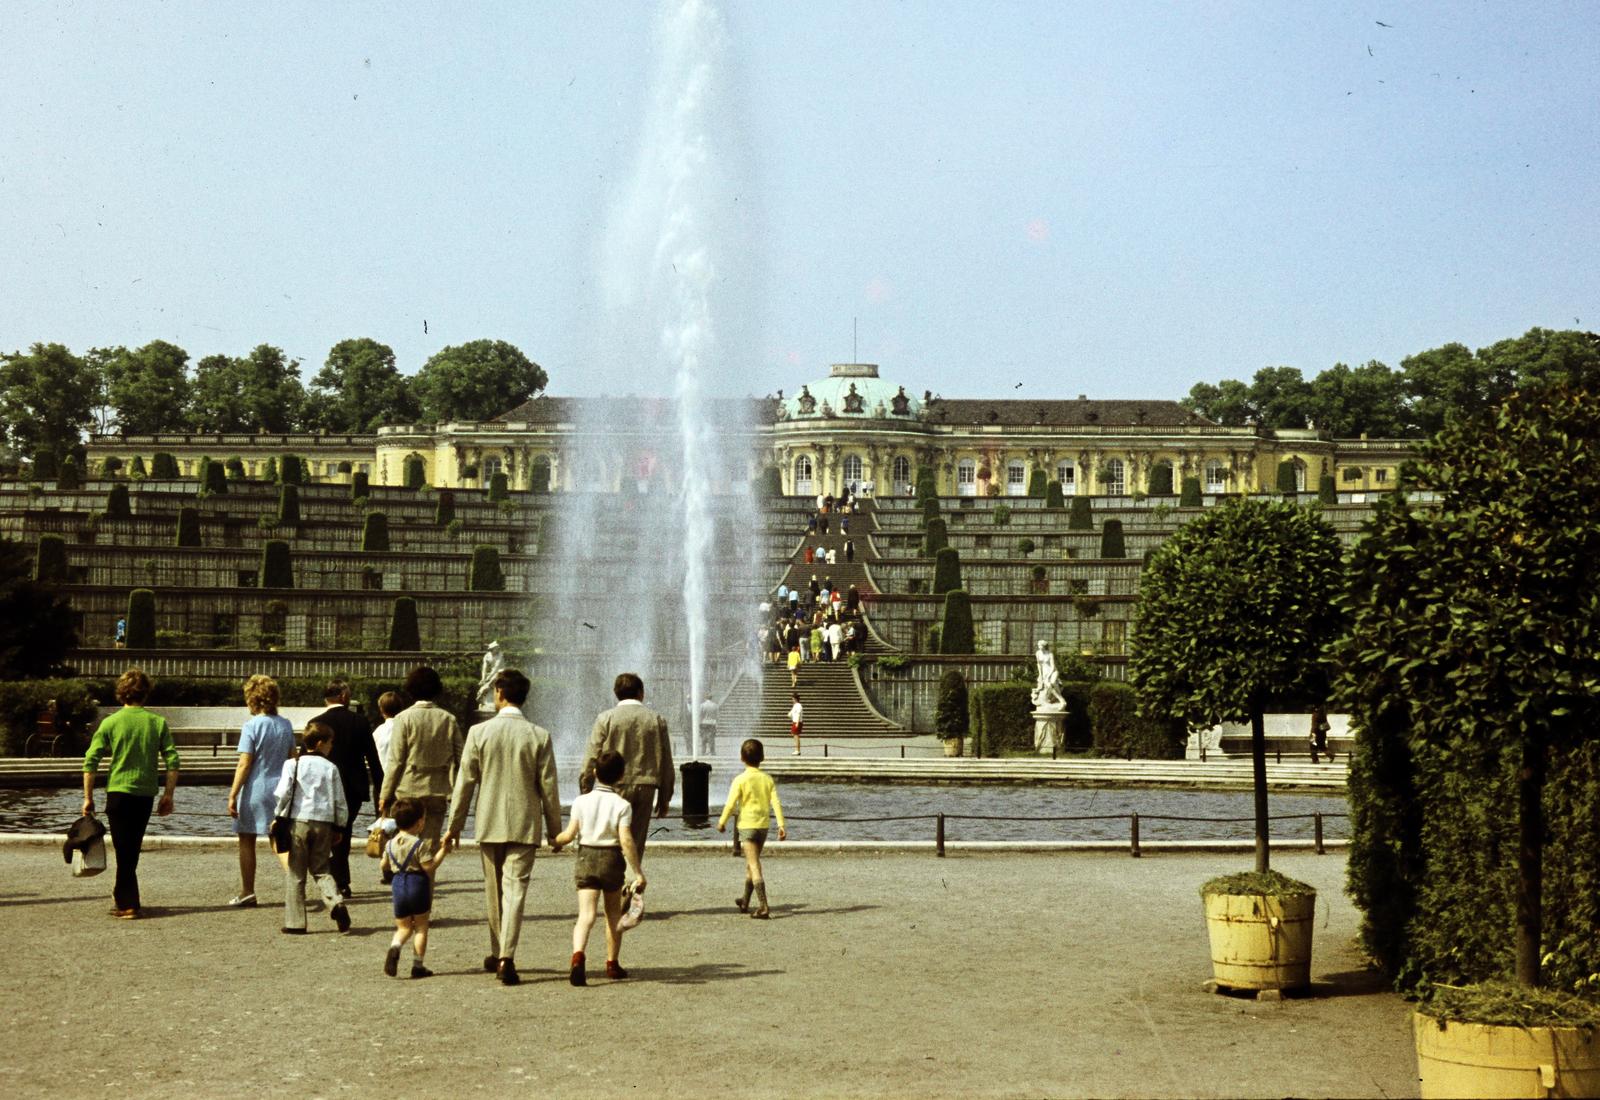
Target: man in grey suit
<point>639,735</point>
<point>513,761</point>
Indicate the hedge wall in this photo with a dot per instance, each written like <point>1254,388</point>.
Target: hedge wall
<point>1000,718</point>
<point>1190,496</point>
<point>1081,518</point>
<point>50,560</point>
<point>1118,730</point>
<point>946,570</point>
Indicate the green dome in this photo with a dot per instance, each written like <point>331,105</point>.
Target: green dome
<point>851,390</point>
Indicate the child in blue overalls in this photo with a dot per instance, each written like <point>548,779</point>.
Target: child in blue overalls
<point>407,856</point>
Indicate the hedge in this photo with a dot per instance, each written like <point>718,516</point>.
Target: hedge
<point>235,468</point>
<point>22,700</point>
<point>952,719</point>
<point>111,466</point>
<point>188,530</point>
<point>946,570</point>
<point>930,510</point>
<point>1286,477</point>
<point>277,570</point>
<point>50,561</point>
<point>375,533</point>
<point>404,634</point>
<point>1000,718</point>
<point>1161,480</point>
<point>138,468</point>
<point>163,466</point>
<point>291,471</point>
<point>117,506</point>
<point>1190,496</point>
<point>288,503</point>
<point>68,478</point>
<point>1081,517</point>
<point>1119,730</point>
<point>955,635</point>
<point>486,574</point>
<point>359,487</point>
<point>498,486</point>
<point>1053,497</point>
<point>445,510</point>
<point>935,538</point>
<point>141,619</point>
<point>213,477</point>
<point>415,473</point>
<point>1036,484</point>
<point>1112,544</point>
<point>1327,493</point>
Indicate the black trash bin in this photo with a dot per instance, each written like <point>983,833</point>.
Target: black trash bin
<point>696,789</point>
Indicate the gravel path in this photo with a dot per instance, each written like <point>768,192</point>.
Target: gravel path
<point>880,975</point>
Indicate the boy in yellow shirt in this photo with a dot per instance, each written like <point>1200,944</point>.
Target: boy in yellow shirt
<point>756,795</point>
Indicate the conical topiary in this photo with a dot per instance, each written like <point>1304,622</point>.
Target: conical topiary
<point>50,560</point>
<point>375,533</point>
<point>1053,497</point>
<point>486,574</point>
<point>946,570</point>
<point>404,635</point>
<point>956,635</point>
<point>117,505</point>
<point>1190,496</point>
<point>1112,544</point>
<point>141,619</point>
<point>277,570</point>
<point>1081,518</point>
<point>935,538</point>
<point>188,533</point>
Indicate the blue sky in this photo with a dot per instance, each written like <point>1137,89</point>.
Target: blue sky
<point>1117,200</point>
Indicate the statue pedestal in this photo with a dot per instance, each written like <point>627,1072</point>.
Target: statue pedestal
<point>1049,731</point>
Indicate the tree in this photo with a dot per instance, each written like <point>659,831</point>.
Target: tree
<point>951,719</point>
<point>277,570</point>
<point>147,389</point>
<point>46,397</point>
<point>1346,402</point>
<point>258,392</point>
<point>404,635</point>
<point>375,533</point>
<point>1281,397</point>
<point>476,381</point>
<point>1442,381</point>
<point>1235,610</point>
<point>946,570</point>
<point>141,619</point>
<point>486,575</point>
<point>1227,403</point>
<point>36,628</point>
<point>956,635</point>
<point>359,389</point>
<point>1473,625</point>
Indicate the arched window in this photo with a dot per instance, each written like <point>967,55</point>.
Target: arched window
<point>488,468</point>
<point>902,475</point>
<point>1115,481</point>
<point>1016,478</point>
<point>1067,474</point>
<point>1216,477</point>
<point>967,477</point>
<point>852,470</point>
<point>803,485</point>
<point>1299,476</point>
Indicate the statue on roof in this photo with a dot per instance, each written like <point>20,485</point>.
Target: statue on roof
<point>852,400</point>
<point>807,403</point>
<point>900,404</point>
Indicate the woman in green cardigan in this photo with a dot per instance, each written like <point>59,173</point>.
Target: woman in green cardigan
<point>139,743</point>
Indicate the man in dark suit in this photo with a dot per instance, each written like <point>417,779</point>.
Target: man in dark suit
<point>355,754</point>
<point>639,735</point>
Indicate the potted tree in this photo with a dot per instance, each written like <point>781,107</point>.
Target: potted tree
<point>1472,788</point>
<point>951,720</point>
<point>1236,609</point>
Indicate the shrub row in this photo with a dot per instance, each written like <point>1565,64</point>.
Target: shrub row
<point>1098,715</point>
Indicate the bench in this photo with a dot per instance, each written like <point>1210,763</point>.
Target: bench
<point>216,727</point>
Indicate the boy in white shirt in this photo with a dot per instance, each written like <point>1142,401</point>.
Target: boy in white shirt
<point>602,825</point>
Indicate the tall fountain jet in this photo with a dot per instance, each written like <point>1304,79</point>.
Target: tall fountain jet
<point>656,545</point>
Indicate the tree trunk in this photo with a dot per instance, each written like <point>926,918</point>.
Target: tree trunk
<point>1258,758</point>
<point>1530,858</point>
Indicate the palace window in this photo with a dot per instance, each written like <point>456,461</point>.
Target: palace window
<point>541,475</point>
<point>803,485</point>
<point>1380,475</point>
<point>1216,477</point>
<point>1016,478</point>
<point>1067,474</point>
<point>1299,476</point>
<point>488,468</point>
<point>902,475</point>
<point>967,477</point>
<point>852,470</point>
<point>1115,478</point>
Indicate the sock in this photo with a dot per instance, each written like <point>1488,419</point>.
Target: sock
<point>761,893</point>
<point>399,940</point>
<point>748,886</point>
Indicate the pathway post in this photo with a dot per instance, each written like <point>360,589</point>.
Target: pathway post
<point>1134,847</point>
<point>939,837</point>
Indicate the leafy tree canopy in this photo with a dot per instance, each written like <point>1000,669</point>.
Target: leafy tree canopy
<point>477,381</point>
<point>35,624</point>
<point>45,400</point>
<point>147,389</point>
<point>260,391</point>
<point>359,389</point>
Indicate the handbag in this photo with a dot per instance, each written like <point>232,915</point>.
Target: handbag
<point>375,840</point>
<point>278,833</point>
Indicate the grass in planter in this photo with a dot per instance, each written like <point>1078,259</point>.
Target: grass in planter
<point>1504,1003</point>
<point>1270,884</point>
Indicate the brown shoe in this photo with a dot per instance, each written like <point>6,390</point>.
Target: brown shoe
<point>614,970</point>
<point>577,976</point>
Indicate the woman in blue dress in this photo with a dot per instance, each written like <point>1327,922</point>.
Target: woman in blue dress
<point>265,742</point>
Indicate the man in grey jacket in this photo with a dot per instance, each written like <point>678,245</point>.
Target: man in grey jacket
<point>424,750</point>
<point>639,735</point>
<point>511,764</point>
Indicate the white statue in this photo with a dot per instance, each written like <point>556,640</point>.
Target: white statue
<point>494,662</point>
<point>1047,688</point>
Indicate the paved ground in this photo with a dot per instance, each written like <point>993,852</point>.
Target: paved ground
<point>897,974</point>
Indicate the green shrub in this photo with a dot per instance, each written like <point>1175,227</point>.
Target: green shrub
<point>1161,479</point>
<point>445,510</point>
<point>1265,883</point>
<point>163,466</point>
<point>188,531</point>
<point>288,503</point>
<point>1002,515</point>
<point>415,473</point>
<point>271,471</point>
<point>956,635</point>
<point>1286,477</point>
<point>117,505</point>
<point>946,570</point>
<point>359,487</point>
<point>291,471</point>
<point>277,569</point>
<point>22,700</point>
<point>454,528</point>
<point>111,466</point>
<point>213,477</point>
<point>404,635</point>
<point>1000,718</point>
<point>1053,497</point>
<point>1118,729</point>
<point>927,484</point>
<point>1352,473</point>
<point>930,510</point>
<point>235,468</point>
<point>1112,544</point>
<point>45,467</point>
<point>68,480</point>
<point>1025,546</point>
<point>1036,484</point>
<point>1190,496</point>
<point>497,486</point>
<point>141,619</point>
<point>137,470</point>
<point>770,483</point>
<point>486,574</point>
<point>934,538</point>
<point>50,560</point>
<point>951,720</point>
<point>1327,493</point>
<point>1081,518</point>
<point>375,533</point>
